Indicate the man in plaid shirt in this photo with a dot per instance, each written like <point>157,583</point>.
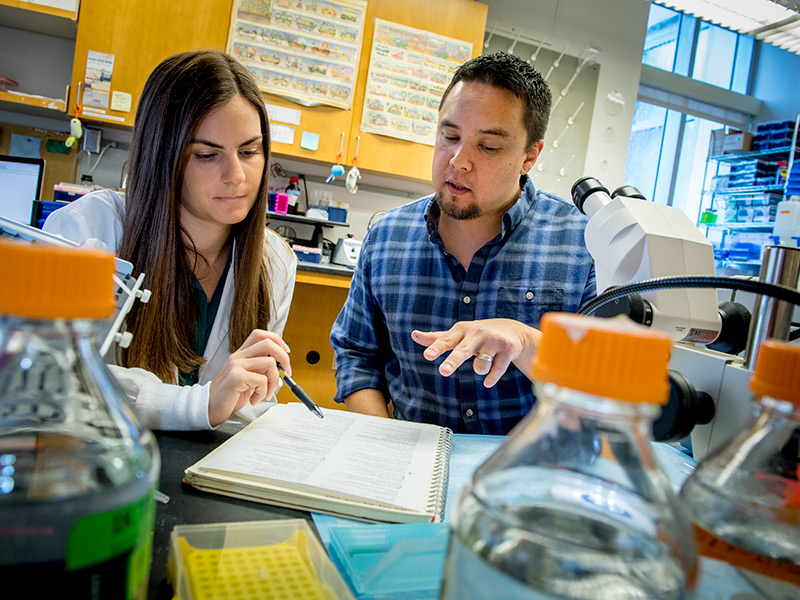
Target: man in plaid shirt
<point>470,269</point>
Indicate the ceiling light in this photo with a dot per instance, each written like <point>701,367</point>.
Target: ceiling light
<point>775,23</point>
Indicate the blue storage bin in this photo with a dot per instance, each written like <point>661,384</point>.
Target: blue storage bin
<point>65,195</point>
<point>744,251</point>
<point>337,214</point>
<point>720,253</point>
<point>306,254</point>
<point>46,209</point>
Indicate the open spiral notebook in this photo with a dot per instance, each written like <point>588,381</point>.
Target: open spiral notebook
<point>346,464</point>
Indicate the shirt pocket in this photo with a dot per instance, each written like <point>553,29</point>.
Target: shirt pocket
<point>528,303</point>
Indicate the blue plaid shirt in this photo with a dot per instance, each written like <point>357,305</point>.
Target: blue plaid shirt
<point>405,280</point>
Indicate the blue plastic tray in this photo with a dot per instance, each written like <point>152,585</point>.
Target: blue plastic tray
<point>383,559</point>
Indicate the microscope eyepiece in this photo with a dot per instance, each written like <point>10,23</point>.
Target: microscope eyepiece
<point>628,191</point>
<point>586,187</point>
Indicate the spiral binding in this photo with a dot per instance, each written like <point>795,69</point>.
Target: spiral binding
<point>437,496</point>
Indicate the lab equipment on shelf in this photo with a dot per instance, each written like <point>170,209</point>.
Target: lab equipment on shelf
<point>78,470</point>
<point>573,504</point>
<point>743,185</point>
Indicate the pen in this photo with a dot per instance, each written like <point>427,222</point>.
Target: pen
<point>300,393</point>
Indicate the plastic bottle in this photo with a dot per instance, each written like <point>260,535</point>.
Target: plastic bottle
<point>573,504</point>
<point>787,222</point>
<point>293,191</point>
<point>77,469</point>
<point>744,497</point>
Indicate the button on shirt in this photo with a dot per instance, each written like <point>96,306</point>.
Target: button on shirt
<point>406,280</point>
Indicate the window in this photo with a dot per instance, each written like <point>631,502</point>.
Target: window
<point>684,45</point>
<point>670,36</point>
<point>667,156</point>
<point>669,143</point>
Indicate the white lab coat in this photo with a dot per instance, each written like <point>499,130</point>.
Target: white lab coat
<point>98,216</point>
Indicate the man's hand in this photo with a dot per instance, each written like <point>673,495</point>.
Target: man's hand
<point>494,344</point>
<point>249,375</point>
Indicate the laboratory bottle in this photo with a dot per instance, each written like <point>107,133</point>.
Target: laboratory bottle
<point>293,191</point>
<point>78,470</point>
<point>573,505</point>
<point>744,496</point>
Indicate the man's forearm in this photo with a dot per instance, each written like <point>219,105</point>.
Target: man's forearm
<point>368,402</point>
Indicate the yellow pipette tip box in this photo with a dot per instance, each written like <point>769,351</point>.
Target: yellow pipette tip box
<point>255,559</point>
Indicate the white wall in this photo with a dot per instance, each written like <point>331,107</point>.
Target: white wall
<point>777,72</point>
<point>618,27</point>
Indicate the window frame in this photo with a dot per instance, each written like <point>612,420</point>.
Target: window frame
<point>695,98</point>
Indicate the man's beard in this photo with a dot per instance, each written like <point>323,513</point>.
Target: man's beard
<point>469,212</point>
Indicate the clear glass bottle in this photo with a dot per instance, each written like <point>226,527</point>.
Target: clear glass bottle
<point>744,497</point>
<point>573,504</point>
<point>77,469</point>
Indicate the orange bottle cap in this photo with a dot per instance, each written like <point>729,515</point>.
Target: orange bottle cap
<point>777,373</point>
<point>615,358</point>
<point>52,282</point>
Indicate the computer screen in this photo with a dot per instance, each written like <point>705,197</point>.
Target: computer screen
<point>20,186</point>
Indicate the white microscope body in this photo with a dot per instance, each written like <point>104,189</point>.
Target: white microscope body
<point>631,240</point>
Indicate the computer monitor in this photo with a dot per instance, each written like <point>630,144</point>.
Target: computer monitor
<point>20,187</point>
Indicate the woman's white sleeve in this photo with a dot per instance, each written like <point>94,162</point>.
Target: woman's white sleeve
<point>164,406</point>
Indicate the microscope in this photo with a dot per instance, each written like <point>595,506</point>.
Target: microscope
<point>633,240</point>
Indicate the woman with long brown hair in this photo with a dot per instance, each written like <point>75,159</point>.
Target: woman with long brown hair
<point>193,218</point>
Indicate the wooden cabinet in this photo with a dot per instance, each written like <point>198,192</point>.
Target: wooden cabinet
<point>458,19</point>
<point>141,34</point>
<point>332,124</point>
<point>318,298</point>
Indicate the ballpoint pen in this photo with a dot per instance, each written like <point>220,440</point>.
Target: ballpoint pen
<point>300,393</point>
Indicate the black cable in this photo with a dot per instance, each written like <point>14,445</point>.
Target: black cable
<point>779,292</point>
<point>305,187</point>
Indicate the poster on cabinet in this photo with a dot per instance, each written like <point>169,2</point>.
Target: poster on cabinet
<point>409,70</point>
<point>97,80</point>
<point>303,50</point>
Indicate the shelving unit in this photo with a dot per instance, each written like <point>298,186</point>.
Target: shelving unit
<point>318,224</point>
<point>32,104</point>
<point>305,220</point>
<point>37,18</point>
<point>728,230</point>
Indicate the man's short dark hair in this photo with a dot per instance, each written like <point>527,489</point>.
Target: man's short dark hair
<point>508,72</point>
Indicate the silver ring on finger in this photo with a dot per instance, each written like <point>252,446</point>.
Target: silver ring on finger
<point>482,356</point>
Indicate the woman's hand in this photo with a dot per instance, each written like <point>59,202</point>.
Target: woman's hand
<point>249,375</point>
<point>495,343</point>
